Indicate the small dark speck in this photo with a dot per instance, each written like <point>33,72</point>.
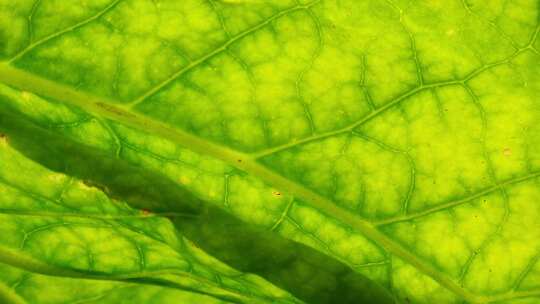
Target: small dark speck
<point>276,193</point>
<point>239,160</point>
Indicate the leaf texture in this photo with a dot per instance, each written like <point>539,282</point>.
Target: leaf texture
<point>399,138</point>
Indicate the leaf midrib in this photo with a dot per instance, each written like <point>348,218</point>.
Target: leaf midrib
<point>105,108</point>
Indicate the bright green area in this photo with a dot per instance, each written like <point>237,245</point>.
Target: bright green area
<point>400,138</point>
<point>63,226</point>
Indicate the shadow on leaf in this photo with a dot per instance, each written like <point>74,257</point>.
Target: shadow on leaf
<point>304,272</point>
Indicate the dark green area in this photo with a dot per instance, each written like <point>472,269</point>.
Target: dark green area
<point>304,272</point>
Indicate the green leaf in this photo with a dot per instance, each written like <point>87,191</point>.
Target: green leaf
<point>400,138</point>
<point>18,286</point>
<point>44,289</point>
<point>303,271</point>
<point>62,226</point>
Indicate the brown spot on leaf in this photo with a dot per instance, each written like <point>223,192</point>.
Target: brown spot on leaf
<point>114,110</point>
<point>507,152</point>
<point>276,193</point>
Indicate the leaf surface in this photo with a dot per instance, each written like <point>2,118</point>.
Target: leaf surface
<point>62,226</point>
<point>402,138</point>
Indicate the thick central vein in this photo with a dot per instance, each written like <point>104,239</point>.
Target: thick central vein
<point>105,108</point>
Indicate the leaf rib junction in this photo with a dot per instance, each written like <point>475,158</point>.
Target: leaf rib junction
<point>7,295</point>
<point>82,23</point>
<point>216,51</point>
<point>376,112</point>
<point>451,204</point>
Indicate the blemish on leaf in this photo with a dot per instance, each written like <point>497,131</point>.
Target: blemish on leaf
<point>276,193</point>
<point>507,152</point>
<point>145,212</point>
<point>114,110</point>
<point>92,184</point>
